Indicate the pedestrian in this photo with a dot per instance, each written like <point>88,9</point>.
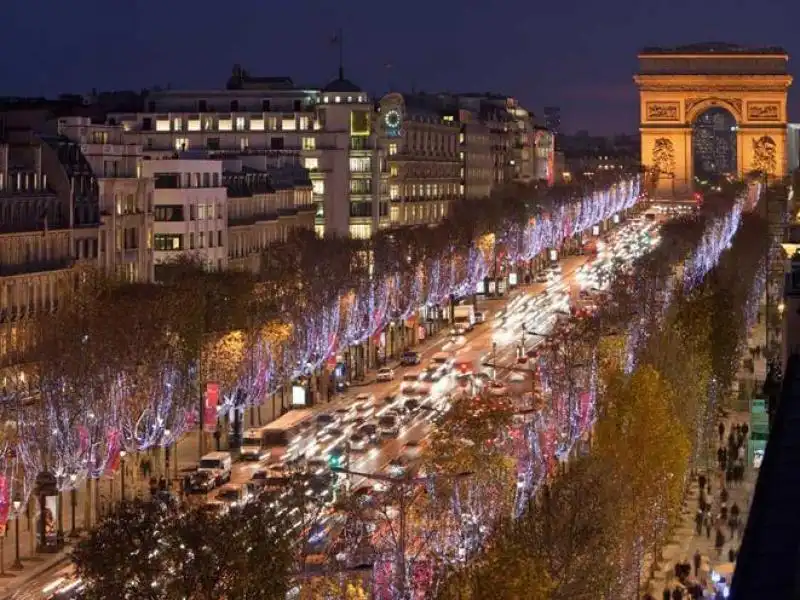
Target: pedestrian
<point>719,542</point>
<point>697,559</point>
<point>745,430</point>
<point>162,484</point>
<point>739,472</point>
<point>153,486</point>
<point>698,522</point>
<point>723,495</point>
<point>666,594</point>
<point>721,430</point>
<point>732,555</point>
<point>735,510</point>
<point>708,525</point>
<point>677,570</point>
<point>723,512</point>
<point>733,523</point>
<point>701,482</point>
<point>721,458</point>
<point>729,476</point>
<point>677,593</point>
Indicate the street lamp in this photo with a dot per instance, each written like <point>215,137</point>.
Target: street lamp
<point>74,502</point>
<point>403,482</point>
<point>17,566</point>
<point>122,455</point>
<point>166,454</point>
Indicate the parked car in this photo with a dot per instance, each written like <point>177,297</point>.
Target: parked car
<point>201,482</point>
<point>218,464</point>
<point>410,358</point>
<point>358,442</point>
<point>385,374</point>
<point>480,317</point>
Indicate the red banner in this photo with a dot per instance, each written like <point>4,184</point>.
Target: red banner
<point>212,401</point>
<point>114,444</point>
<point>5,502</point>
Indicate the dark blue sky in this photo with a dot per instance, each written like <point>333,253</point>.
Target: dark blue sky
<point>577,54</point>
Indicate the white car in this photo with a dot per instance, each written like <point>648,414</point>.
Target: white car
<point>385,374</point>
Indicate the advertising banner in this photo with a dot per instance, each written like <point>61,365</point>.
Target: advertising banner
<point>212,402</point>
<point>5,500</point>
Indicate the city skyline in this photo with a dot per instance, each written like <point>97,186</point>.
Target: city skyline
<point>523,53</point>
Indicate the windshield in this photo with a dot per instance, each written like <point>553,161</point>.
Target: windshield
<point>229,495</point>
<point>251,440</point>
<point>387,421</point>
<point>410,377</point>
<point>210,463</point>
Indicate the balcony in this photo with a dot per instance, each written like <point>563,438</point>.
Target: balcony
<point>41,266</point>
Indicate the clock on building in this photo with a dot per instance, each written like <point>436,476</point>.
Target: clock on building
<point>393,121</point>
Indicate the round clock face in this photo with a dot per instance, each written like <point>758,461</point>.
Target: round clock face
<point>392,119</point>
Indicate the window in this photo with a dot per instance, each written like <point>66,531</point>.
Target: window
<point>244,143</point>
<point>201,239</point>
<point>312,164</point>
<point>212,143</point>
<point>100,137</point>
<point>309,143</point>
<point>302,123</point>
<point>193,124</point>
<point>169,212</point>
<point>394,192</point>
<point>168,241</point>
<point>208,124</point>
<point>202,105</point>
<point>225,124</point>
<point>393,170</point>
<point>272,123</point>
<point>276,143</point>
<point>337,99</point>
<point>162,124</point>
<point>240,124</point>
<point>360,186</point>
<point>265,105</point>
<point>288,124</point>
<point>166,181</point>
<point>234,105</point>
<point>181,144</point>
<point>359,122</point>
<point>392,149</point>
<point>177,124</point>
<point>191,241</point>
<point>318,186</point>
<point>256,124</point>
<point>360,165</point>
<point>219,238</point>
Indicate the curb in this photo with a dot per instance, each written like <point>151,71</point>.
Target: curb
<point>31,574</point>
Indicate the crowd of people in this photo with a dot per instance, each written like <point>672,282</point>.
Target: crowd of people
<point>714,516</point>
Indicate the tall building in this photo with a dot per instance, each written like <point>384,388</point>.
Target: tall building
<point>125,197</point>
<point>424,158</point>
<point>191,211</point>
<point>552,118</point>
<point>330,129</point>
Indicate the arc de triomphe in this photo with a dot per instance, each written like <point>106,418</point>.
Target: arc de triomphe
<point>711,110</point>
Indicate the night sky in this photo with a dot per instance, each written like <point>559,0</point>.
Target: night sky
<point>577,54</point>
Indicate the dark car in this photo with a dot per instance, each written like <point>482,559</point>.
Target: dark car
<point>410,358</point>
<point>201,482</point>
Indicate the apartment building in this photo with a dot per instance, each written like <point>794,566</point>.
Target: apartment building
<point>265,203</point>
<point>423,156</point>
<point>125,198</point>
<point>190,211</point>
<point>329,128</point>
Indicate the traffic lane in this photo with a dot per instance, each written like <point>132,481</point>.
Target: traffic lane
<point>38,587</point>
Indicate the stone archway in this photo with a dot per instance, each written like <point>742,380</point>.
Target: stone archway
<point>714,144</point>
<point>688,95</point>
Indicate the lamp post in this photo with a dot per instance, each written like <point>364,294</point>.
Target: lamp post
<point>166,455</point>
<point>122,455</point>
<point>17,566</point>
<point>403,482</point>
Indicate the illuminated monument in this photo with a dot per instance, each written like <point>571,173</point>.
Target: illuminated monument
<point>708,110</point>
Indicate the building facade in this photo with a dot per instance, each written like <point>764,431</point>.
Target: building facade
<point>125,197</point>
<point>329,128</point>
<point>190,211</point>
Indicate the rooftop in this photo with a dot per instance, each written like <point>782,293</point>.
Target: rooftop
<point>713,48</point>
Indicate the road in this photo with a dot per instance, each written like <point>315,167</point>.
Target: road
<point>536,307</point>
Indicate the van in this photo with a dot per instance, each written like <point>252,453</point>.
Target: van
<point>218,464</point>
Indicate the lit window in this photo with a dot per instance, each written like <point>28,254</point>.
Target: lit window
<point>318,186</point>
<point>349,98</point>
<point>289,124</point>
<point>181,144</point>
<point>193,125</point>
<point>208,124</point>
<point>302,124</point>
<point>225,125</point>
<point>337,99</point>
<point>240,123</point>
<point>317,125</point>
<point>461,189</point>
<point>392,149</point>
<point>461,138</point>
<point>177,123</point>
<point>162,125</point>
<point>244,143</point>
<point>311,164</point>
<point>361,98</point>
<point>325,99</point>
<point>393,170</point>
<point>273,123</point>
<point>256,124</point>
<point>394,191</point>
<point>360,164</point>
<point>309,143</point>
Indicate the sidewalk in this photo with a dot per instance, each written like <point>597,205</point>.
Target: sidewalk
<point>685,540</point>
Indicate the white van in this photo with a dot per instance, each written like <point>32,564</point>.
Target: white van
<point>410,382</point>
<point>218,464</point>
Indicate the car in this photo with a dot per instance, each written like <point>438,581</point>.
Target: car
<point>497,389</point>
<point>385,374</point>
<point>369,431</point>
<point>411,450</point>
<point>480,317</point>
<point>410,358</point>
<point>390,399</point>
<point>232,495</point>
<point>201,482</point>
<point>411,405</point>
<point>358,442</point>
<point>324,419</point>
<point>389,426</point>
<point>365,398</point>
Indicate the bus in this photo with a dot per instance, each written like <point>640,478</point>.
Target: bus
<point>283,436</point>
